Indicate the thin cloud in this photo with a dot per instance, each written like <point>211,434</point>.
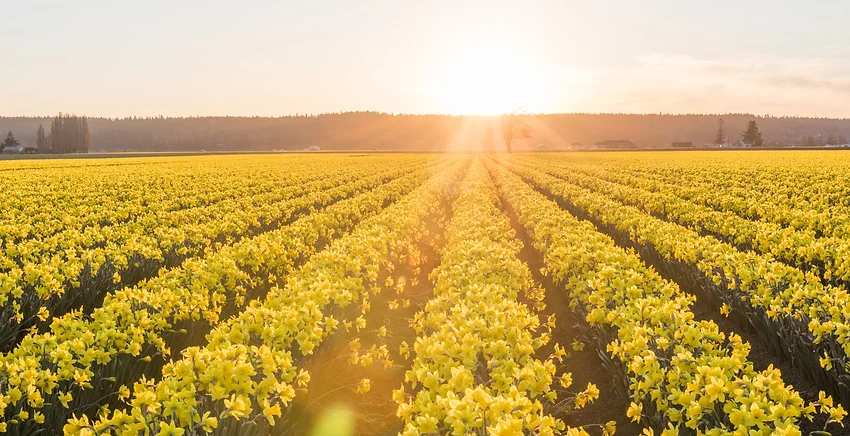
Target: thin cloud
<point>757,84</point>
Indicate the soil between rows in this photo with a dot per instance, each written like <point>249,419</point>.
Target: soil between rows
<point>585,365</point>
<point>333,378</point>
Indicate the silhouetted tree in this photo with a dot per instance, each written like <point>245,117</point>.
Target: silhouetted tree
<point>513,128</point>
<point>752,136</point>
<point>41,140</point>
<point>720,139</point>
<point>10,141</point>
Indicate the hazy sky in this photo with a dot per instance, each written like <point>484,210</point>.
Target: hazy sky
<point>118,58</point>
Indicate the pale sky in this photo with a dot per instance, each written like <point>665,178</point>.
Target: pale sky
<point>181,57</point>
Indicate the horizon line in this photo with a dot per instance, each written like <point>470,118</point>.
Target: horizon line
<point>426,114</point>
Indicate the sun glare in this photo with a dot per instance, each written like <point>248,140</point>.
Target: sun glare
<point>490,79</point>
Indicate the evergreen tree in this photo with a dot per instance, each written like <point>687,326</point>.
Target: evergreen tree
<point>720,139</point>
<point>56,135</point>
<point>84,135</point>
<point>752,136</point>
<point>10,141</point>
<point>41,140</point>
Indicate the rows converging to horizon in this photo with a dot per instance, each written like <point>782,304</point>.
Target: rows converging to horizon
<point>573,293</point>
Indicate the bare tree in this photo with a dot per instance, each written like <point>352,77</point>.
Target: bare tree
<point>514,127</point>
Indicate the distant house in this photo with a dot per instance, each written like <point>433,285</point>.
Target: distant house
<point>735,144</point>
<point>615,143</point>
<point>30,150</point>
<point>312,148</point>
<point>18,149</point>
<point>683,144</point>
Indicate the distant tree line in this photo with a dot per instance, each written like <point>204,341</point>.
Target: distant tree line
<point>370,130</point>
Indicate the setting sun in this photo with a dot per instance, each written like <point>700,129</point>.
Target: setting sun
<point>487,78</point>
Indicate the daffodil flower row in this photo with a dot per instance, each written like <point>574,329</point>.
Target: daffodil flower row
<point>811,319</point>
<point>38,272</point>
<point>784,202</point>
<point>684,376</point>
<point>73,355</point>
<point>116,190</point>
<point>828,257</point>
<point>805,192</point>
<point>248,370</point>
<point>754,184</point>
<point>474,369</point>
<point>106,192</point>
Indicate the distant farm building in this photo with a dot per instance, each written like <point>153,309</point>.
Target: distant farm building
<point>735,144</point>
<point>18,149</point>
<point>683,144</point>
<point>312,148</point>
<point>615,143</point>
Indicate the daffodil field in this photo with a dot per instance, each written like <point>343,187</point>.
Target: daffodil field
<point>652,293</point>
